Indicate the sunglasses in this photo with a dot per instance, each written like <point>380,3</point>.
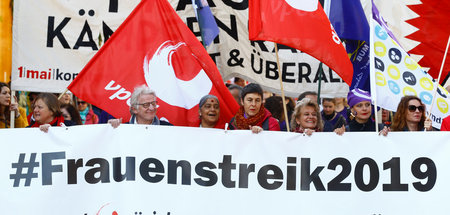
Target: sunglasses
<point>413,108</point>
<point>81,102</point>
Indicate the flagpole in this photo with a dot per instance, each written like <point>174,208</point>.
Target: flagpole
<point>286,119</point>
<point>12,115</point>
<point>439,77</point>
<point>320,82</point>
<point>62,94</point>
<point>373,84</point>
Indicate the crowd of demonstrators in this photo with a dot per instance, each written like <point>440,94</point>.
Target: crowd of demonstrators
<point>143,108</point>
<point>260,110</point>
<point>7,105</point>
<point>252,115</point>
<point>410,115</point>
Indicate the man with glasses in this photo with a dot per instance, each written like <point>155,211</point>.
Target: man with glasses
<point>143,108</point>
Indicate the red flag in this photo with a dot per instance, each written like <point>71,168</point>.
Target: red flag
<point>153,46</point>
<point>303,25</point>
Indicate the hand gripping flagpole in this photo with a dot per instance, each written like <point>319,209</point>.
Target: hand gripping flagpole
<point>286,119</point>
<point>439,78</point>
<point>12,116</point>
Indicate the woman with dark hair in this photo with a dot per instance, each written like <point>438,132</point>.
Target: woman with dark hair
<point>47,112</point>
<point>275,105</point>
<point>410,115</point>
<point>69,112</point>
<point>6,106</point>
<point>252,115</point>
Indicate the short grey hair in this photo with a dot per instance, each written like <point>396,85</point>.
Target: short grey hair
<point>138,91</point>
<point>205,98</point>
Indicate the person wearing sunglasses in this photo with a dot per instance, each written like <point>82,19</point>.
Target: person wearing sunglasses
<point>410,115</point>
<point>143,108</point>
<point>87,114</point>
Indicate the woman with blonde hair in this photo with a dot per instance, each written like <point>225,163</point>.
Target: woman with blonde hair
<point>306,117</point>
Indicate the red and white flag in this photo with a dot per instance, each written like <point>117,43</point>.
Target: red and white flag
<point>303,25</point>
<point>154,47</point>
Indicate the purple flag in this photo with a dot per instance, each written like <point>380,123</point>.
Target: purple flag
<point>206,21</point>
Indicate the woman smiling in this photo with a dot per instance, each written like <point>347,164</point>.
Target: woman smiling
<point>209,111</point>
<point>306,117</point>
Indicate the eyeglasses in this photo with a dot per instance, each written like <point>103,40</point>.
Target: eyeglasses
<point>147,104</point>
<point>413,108</point>
<point>81,102</point>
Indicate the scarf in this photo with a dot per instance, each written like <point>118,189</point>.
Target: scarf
<point>83,115</point>
<point>57,121</point>
<point>244,123</point>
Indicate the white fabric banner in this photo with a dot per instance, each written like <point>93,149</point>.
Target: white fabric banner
<point>236,55</point>
<point>95,169</point>
<point>54,39</point>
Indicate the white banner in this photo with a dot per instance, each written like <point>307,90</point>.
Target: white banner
<point>235,55</point>
<point>54,39</point>
<point>95,169</point>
